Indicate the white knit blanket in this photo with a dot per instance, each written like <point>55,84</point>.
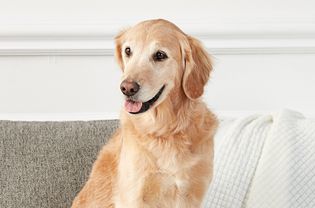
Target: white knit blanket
<point>264,162</point>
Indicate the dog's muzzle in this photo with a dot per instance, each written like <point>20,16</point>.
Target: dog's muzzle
<point>136,107</point>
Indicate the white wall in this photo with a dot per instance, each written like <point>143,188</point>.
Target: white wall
<point>78,11</point>
<point>263,83</point>
<point>42,85</point>
<point>56,57</point>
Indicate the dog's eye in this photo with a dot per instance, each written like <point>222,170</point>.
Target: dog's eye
<point>128,51</point>
<point>159,56</point>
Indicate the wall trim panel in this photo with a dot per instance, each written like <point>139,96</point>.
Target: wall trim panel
<point>97,39</point>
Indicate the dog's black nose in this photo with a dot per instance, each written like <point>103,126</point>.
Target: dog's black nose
<point>129,88</point>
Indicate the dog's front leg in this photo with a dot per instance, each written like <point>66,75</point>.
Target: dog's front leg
<point>129,193</point>
<point>131,177</point>
<point>131,197</point>
<point>124,204</point>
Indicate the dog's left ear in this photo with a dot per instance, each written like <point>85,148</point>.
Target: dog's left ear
<point>197,68</point>
<point>118,48</point>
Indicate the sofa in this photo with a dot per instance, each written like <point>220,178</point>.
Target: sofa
<point>260,161</point>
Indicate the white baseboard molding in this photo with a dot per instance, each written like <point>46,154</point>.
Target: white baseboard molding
<point>58,116</point>
<point>115,115</point>
<point>97,39</point>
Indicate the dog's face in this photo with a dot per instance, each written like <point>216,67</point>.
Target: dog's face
<point>157,58</point>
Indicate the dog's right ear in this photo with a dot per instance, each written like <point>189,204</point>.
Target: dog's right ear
<point>118,49</point>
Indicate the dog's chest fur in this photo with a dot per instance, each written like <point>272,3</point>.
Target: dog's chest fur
<point>153,173</point>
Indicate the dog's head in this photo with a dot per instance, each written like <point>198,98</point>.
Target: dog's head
<point>157,59</point>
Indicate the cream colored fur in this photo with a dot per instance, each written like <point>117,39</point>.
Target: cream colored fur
<point>163,157</point>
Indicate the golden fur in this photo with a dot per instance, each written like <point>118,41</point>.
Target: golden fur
<point>163,157</point>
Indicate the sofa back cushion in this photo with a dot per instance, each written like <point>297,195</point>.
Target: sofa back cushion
<point>45,164</point>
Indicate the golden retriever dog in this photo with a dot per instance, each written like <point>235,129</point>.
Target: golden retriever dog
<point>162,154</point>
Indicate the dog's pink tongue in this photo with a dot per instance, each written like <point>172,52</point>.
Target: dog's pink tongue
<point>132,106</point>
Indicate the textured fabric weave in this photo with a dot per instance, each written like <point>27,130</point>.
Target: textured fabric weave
<point>45,164</point>
<point>285,175</point>
<point>264,162</point>
<point>237,151</point>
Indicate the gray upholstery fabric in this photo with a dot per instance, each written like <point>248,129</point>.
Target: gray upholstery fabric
<point>45,164</point>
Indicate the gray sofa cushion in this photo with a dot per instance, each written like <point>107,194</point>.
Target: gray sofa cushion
<point>45,164</point>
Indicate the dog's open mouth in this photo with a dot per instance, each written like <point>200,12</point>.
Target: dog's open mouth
<point>135,107</point>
